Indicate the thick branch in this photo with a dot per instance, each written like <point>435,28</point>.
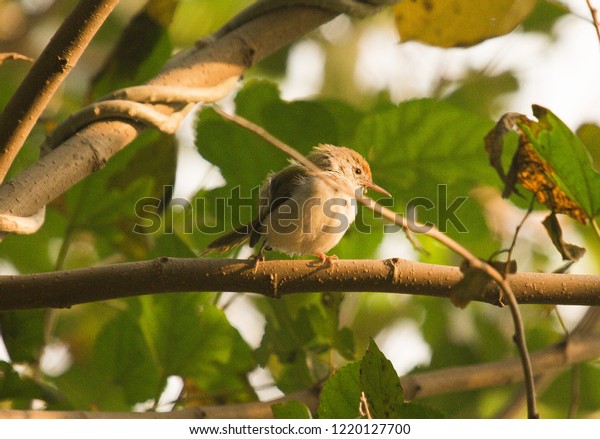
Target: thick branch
<point>418,385</point>
<point>48,72</point>
<point>203,66</point>
<point>500,373</point>
<point>277,278</point>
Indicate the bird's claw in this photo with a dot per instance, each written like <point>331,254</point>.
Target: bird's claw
<point>258,258</point>
<point>326,260</point>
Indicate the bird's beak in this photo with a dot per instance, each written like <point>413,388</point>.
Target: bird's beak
<point>376,188</point>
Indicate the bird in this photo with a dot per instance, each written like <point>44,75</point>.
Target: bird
<point>300,213</point>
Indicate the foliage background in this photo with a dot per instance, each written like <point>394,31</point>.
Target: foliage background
<point>418,113</point>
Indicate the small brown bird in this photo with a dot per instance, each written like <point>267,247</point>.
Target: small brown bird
<point>299,212</point>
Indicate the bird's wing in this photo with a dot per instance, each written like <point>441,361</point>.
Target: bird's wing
<point>278,188</point>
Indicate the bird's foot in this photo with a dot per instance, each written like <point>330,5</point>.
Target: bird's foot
<point>258,257</point>
<point>326,261</point>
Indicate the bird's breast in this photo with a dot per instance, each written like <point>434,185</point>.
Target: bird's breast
<point>313,220</point>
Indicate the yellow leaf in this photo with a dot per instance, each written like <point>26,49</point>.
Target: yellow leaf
<point>161,11</point>
<point>451,23</point>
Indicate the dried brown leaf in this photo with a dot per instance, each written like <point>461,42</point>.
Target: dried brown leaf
<point>527,168</point>
<point>569,252</point>
<point>535,175</point>
<point>474,281</point>
<point>494,146</point>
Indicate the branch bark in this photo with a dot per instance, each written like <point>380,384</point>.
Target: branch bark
<point>275,279</point>
<point>206,65</point>
<point>418,385</point>
<point>47,73</point>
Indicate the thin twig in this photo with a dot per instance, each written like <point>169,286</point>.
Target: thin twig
<point>15,56</point>
<point>128,103</point>
<point>594,13</point>
<point>515,236</point>
<point>364,406</point>
<point>561,322</point>
<point>115,109</point>
<point>418,228</point>
<point>575,391</point>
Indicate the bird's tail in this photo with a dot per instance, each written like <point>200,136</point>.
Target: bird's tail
<point>232,239</point>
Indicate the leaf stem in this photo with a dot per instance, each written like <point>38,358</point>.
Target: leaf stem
<point>514,240</point>
<point>596,227</point>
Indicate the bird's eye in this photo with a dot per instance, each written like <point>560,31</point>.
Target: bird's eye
<point>357,171</point>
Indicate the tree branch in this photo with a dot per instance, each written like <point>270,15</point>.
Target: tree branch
<point>417,385</point>
<point>22,225</point>
<point>128,103</point>
<point>275,279</point>
<point>500,373</point>
<point>205,65</point>
<point>47,73</point>
<point>432,232</point>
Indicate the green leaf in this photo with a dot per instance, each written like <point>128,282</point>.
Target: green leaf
<point>191,338</point>
<point>567,157</point>
<point>291,410</point>
<point>544,16</point>
<point>286,341</point>
<point>420,144</point>
<point>23,334</point>
<point>110,203</point>
<point>417,411</point>
<point>141,51</point>
<point>299,328</point>
<point>590,136</point>
<point>170,245</point>
<point>87,388</point>
<point>479,93</point>
<point>344,343</point>
<point>120,373</point>
<point>294,375</point>
<point>553,399</point>
<point>341,339</point>
<point>122,357</point>
<point>340,397</point>
<point>197,18</point>
<point>417,151</point>
<point>380,383</point>
<point>36,252</point>
<point>22,389</point>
